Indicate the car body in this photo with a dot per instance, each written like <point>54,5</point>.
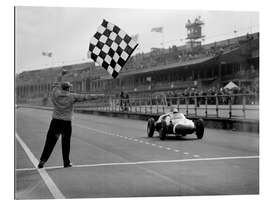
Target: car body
<point>175,123</point>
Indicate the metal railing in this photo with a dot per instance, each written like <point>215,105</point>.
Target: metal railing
<point>243,106</point>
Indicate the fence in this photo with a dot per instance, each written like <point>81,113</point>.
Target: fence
<point>243,106</point>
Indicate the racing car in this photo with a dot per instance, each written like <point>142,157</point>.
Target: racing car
<point>175,123</point>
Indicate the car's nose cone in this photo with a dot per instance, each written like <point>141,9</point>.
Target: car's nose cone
<point>180,128</point>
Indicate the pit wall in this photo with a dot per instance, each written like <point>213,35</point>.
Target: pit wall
<point>217,123</point>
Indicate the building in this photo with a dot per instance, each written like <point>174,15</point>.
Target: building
<point>173,69</point>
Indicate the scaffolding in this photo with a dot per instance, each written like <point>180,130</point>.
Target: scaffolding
<point>194,33</point>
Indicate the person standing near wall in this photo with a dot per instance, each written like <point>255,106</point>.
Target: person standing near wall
<point>122,98</point>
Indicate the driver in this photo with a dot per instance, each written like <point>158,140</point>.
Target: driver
<point>177,116</point>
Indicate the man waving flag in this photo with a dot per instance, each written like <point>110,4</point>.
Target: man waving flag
<point>111,47</point>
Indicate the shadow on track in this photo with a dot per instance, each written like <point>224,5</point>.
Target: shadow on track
<point>171,138</point>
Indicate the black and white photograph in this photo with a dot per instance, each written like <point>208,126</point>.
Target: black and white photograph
<point>133,102</point>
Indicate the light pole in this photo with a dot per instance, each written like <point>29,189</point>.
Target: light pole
<point>149,79</point>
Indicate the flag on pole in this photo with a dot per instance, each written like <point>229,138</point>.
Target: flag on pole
<point>111,47</point>
<point>157,29</point>
<point>49,54</point>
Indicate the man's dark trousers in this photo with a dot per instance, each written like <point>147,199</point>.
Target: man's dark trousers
<point>57,127</point>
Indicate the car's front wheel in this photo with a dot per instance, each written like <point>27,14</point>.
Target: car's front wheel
<point>150,127</point>
<point>163,130</point>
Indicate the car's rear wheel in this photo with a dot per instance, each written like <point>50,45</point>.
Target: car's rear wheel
<point>150,127</point>
<point>199,128</point>
<point>163,130</point>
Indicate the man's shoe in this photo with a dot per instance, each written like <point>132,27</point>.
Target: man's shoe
<point>68,165</point>
<point>41,164</point>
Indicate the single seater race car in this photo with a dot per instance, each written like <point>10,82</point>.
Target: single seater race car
<point>175,123</point>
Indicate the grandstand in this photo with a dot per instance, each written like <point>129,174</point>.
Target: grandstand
<point>162,70</point>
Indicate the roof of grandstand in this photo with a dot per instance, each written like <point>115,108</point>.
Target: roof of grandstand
<point>163,67</point>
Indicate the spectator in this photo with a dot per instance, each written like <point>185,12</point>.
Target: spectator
<point>127,103</point>
<point>122,100</point>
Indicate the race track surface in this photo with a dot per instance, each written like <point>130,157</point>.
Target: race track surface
<point>113,157</point>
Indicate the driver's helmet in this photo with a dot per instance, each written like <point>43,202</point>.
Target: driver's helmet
<point>174,110</point>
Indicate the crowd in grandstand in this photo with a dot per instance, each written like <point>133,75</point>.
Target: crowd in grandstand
<point>223,95</point>
<point>197,96</point>
<point>159,57</point>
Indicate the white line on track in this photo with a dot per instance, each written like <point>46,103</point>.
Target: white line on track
<point>127,138</point>
<point>149,162</point>
<point>93,129</point>
<point>44,175</point>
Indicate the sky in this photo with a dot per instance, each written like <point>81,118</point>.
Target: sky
<point>66,31</point>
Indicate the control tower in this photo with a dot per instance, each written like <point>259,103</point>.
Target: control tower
<point>194,33</point>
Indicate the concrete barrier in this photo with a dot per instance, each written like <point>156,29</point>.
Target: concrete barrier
<point>218,123</point>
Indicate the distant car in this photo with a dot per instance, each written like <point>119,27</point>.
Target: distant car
<point>179,125</point>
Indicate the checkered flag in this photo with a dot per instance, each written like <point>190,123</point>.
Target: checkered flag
<point>111,47</point>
